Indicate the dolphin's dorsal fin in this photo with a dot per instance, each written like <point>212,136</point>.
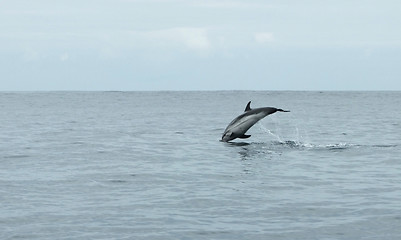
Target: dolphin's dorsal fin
<point>248,107</point>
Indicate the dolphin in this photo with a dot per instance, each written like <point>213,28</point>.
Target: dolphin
<point>238,127</point>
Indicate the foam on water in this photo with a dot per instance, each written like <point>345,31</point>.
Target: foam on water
<point>298,143</point>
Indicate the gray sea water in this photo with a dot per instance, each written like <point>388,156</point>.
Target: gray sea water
<point>149,165</point>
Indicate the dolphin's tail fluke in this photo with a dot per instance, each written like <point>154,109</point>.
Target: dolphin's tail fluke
<point>281,110</point>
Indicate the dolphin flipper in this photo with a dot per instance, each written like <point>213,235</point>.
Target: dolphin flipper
<point>234,135</point>
<point>244,136</point>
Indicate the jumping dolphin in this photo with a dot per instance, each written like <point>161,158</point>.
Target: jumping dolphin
<point>238,127</point>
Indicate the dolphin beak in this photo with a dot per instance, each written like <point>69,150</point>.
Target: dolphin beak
<point>281,110</point>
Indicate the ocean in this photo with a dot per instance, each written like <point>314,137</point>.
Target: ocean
<point>149,165</point>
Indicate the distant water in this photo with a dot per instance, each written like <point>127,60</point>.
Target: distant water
<point>149,165</point>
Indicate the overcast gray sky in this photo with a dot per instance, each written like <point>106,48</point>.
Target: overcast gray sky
<point>200,45</point>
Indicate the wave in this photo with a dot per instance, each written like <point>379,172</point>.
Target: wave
<point>334,146</point>
<point>302,145</point>
<point>311,146</point>
<point>297,145</point>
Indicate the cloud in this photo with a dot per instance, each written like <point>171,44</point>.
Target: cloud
<point>64,57</point>
<point>264,37</point>
<point>231,4</point>
<point>30,55</point>
<point>192,38</point>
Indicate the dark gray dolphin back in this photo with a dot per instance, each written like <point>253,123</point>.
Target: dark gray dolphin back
<point>269,110</point>
<point>240,125</point>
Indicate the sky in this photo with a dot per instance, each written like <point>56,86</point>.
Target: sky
<point>141,45</point>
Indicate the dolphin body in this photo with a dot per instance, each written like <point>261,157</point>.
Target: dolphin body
<point>238,127</point>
